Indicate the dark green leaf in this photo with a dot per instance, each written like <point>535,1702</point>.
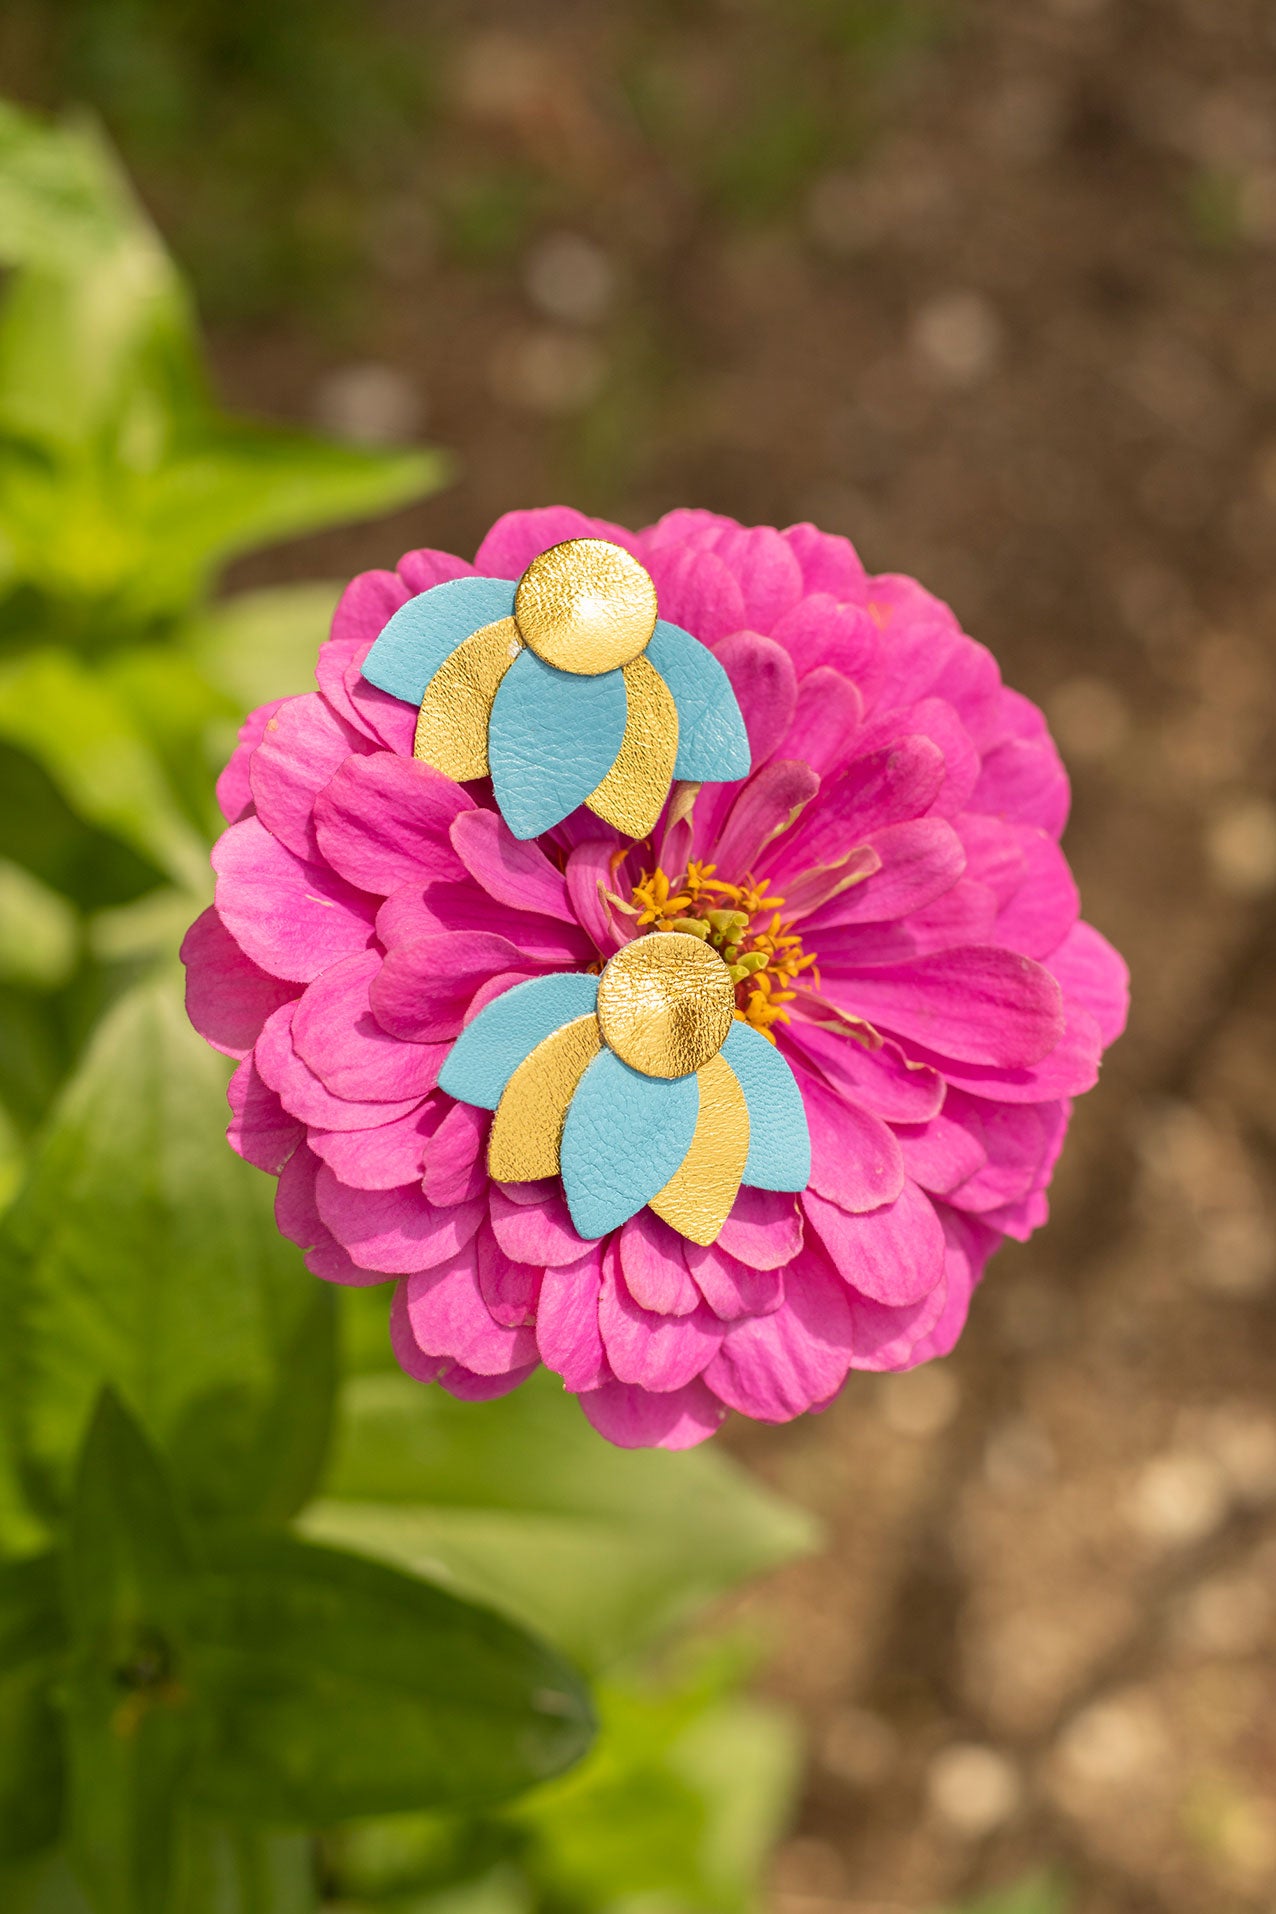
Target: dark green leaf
<point>143,1253</point>
<point>343,1687</point>
<point>32,1642</point>
<point>599,1549</point>
<point>236,1870</point>
<point>131,1720</point>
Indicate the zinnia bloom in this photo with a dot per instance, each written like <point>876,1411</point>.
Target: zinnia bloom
<point>899,920</point>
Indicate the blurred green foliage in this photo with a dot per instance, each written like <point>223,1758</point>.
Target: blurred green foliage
<point>249,1665</point>
<point>1039,1894</point>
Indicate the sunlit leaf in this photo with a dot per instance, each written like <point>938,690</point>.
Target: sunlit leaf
<point>262,644</point>
<point>520,1503</point>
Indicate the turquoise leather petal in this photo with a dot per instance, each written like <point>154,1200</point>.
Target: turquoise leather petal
<point>624,1137</point>
<point>489,1050</point>
<point>713,746</point>
<point>779,1141</point>
<point>428,630</point>
<point>551,739</point>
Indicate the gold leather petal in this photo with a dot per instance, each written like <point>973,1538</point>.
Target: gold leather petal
<point>697,1199</point>
<point>586,606</point>
<point>634,790</point>
<point>451,728</point>
<point>528,1128</point>
<point>666,1004</point>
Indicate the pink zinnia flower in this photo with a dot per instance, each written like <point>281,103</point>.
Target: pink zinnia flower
<point>919,961</point>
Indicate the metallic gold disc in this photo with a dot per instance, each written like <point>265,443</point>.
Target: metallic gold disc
<point>697,1199</point>
<point>666,1004</point>
<point>528,1127</point>
<point>633,791</point>
<point>586,606</point>
<point>451,729</point>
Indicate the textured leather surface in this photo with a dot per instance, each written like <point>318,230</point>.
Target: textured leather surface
<point>551,740</point>
<point>779,1141</point>
<point>632,794</point>
<point>523,1146</point>
<point>697,1199</point>
<point>489,1050</point>
<point>624,1137</point>
<point>713,746</point>
<point>428,629</point>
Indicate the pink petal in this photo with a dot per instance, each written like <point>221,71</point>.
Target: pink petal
<point>260,1130</point>
<point>415,912</point>
<point>447,1316</point>
<point>994,853</point>
<point>516,874</point>
<point>1044,906</point>
<point>228,998</point>
<point>518,537</point>
<point>234,790</point>
<point>888,786</point>
<point>941,1154</point>
<point>532,1224</point>
<point>422,990</point>
<point>920,861</point>
<point>424,568</point>
<point>894,1255</point>
<point>303,1094</point>
<point>763,1230</point>
<point>855,1160</point>
<point>883,1081</point>
<point>383,822</point>
<point>888,1338</point>
<point>292,918</point>
<point>765,685</point>
<point>1095,976</point>
<point>763,564</point>
<point>1023,780</point>
<point>826,718</point>
<point>465,1386</point>
<point>589,874</point>
<point>337,1035</point>
<point>656,1352</point>
<point>968,1248</point>
<point>654,1267</point>
<point>776,1367</point>
<point>695,590</point>
<point>303,744</point>
<point>964,914</point>
<point>364,609</point>
<point>456,1156</point>
<point>509,1289</point>
<point>820,632</point>
<point>633,1418</point>
<point>1071,1068</point>
<point>383,1158</point>
<point>731,1288</point>
<point>682,523</point>
<point>765,808</point>
<point>829,563</point>
<point>394,1231</point>
<point>978,1005</point>
<point>1016,1139</point>
<point>389,720</point>
<point>567,1333</point>
<point>297,1218</point>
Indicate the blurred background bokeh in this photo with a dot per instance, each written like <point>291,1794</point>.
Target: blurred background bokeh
<point>989,286</point>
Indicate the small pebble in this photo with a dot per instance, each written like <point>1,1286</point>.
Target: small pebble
<point>974,1789</point>
<point>920,1402</point>
<point>1242,848</point>
<point>569,278</point>
<point>370,404</point>
<point>1179,1499</point>
<point>957,337</point>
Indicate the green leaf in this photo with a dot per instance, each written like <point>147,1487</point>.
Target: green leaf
<point>227,1869</point>
<point>32,1643</point>
<point>131,1721</point>
<point>68,718</point>
<point>39,933</point>
<point>262,644</point>
<point>343,1687</point>
<point>519,1502</point>
<point>143,1253</point>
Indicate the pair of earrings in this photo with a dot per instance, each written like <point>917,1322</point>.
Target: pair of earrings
<point>640,1087</point>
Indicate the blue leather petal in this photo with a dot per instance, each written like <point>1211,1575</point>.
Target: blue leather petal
<point>713,746</point>
<point>551,739</point>
<point>489,1050</point>
<point>779,1141</point>
<point>429,628</point>
<point>624,1137</point>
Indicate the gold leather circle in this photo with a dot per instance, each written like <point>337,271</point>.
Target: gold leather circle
<point>586,606</point>
<point>666,1004</point>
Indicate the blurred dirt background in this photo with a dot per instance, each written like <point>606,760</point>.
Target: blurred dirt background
<point>989,286</point>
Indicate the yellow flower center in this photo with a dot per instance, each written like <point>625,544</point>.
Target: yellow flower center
<point>586,606</point>
<point>744,924</point>
<point>665,1004</point>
